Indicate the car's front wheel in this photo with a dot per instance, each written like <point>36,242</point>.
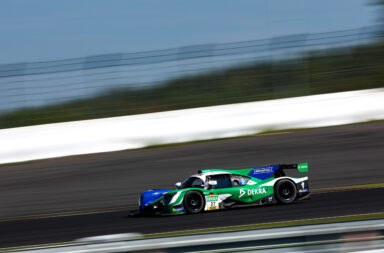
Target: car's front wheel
<point>285,191</point>
<point>193,202</point>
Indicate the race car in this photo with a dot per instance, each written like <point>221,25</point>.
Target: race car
<point>215,189</point>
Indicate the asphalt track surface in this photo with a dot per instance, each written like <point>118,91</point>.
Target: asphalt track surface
<point>68,228</point>
<point>338,156</point>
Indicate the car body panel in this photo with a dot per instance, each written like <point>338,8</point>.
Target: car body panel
<point>252,186</point>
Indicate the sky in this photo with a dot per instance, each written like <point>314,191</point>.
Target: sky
<point>40,30</point>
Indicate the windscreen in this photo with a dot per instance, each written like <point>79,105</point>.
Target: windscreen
<point>192,182</point>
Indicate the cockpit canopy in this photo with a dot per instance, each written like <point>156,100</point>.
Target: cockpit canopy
<point>214,181</point>
<point>193,182</point>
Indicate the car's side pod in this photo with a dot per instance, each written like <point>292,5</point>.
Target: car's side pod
<point>301,167</point>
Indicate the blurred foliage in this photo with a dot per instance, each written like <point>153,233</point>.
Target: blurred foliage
<point>343,69</point>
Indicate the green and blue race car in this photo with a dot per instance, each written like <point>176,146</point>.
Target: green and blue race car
<point>215,189</point>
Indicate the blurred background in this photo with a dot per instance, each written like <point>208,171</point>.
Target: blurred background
<point>64,61</point>
<point>94,59</point>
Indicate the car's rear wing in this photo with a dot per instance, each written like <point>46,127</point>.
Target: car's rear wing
<point>301,167</point>
<point>264,172</point>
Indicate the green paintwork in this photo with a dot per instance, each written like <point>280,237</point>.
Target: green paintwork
<point>248,194</point>
<point>302,167</point>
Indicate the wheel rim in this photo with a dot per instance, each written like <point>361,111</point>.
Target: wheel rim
<point>194,202</point>
<point>286,191</point>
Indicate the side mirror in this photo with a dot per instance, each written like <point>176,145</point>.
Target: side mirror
<point>178,184</point>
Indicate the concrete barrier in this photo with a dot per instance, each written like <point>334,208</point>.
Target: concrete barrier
<point>130,132</point>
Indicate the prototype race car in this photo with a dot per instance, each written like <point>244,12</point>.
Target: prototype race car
<point>215,189</point>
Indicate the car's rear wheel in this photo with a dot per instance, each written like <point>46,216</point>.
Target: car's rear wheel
<point>193,202</point>
<point>285,191</point>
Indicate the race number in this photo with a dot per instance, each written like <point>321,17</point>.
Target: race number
<point>212,203</point>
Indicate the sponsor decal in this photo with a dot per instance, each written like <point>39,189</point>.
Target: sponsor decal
<point>212,203</point>
<point>250,182</point>
<point>263,173</point>
<point>211,194</point>
<point>178,209</point>
<point>257,191</point>
<point>253,192</point>
<point>210,199</point>
<point>263,170</point>
<point>270,198</point>
<point>303,190</point>
<point>242,192</point>
<point>303,167</point>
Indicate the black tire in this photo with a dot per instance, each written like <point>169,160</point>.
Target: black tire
<point>285,191</point>
<point>193,202</point>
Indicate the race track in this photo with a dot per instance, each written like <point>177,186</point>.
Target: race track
<point>68,228</point>
<point>338,156</point>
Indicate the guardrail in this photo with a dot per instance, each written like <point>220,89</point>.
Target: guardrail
<point>334,237</point>
<point>130,132</point>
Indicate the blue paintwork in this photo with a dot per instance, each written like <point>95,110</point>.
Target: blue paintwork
<point>264,172</point>
<point>150,196</point>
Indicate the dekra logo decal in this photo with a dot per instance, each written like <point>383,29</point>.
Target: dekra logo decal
<point>252,192</point>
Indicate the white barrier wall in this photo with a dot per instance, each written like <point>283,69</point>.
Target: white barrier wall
<point>130,132</point>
